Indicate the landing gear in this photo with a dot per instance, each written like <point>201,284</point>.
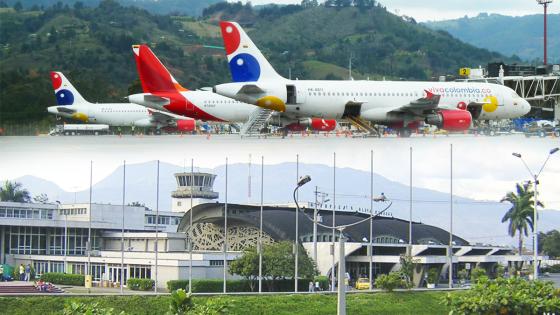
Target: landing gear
<point>404,133</point>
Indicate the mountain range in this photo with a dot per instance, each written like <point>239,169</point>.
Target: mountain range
<point>478,221</point>
<point>510,35</point>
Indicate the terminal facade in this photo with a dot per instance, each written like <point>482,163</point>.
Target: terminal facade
<point>54,238</point>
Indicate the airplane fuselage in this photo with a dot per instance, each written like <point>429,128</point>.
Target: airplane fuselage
<point>376,100</point>
<point>112,114</point>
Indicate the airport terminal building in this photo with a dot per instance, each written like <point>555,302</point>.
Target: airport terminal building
<point>54,237</point>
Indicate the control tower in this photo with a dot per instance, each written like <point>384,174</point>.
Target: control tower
<point>199,185</point>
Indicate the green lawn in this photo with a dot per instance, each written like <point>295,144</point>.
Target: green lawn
<point>363,303</point>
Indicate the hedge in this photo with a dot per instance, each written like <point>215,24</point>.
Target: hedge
<point>63,278</point>
<point>551,269</point>
<point>140,284</point>
<point>216,285</point>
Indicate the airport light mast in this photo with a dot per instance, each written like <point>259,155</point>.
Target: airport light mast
<point>545,4</point>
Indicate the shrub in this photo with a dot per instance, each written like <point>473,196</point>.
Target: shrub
<point>181,302</point>
<point>390,282</point>
<point>140,284</point>
<point>463,274</point>
<point>433,275</point>
<point>323,282</point>
<point>477,273</point>
<point>216,285</point>
<point>75,308</point>
<point>173,285</point>
<point>63,278</point>
<point>506,296</point>
<point>551,269</point>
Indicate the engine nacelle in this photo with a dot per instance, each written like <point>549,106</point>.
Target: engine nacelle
<point>452,120</point>
<point>186,125</point>
<point>316,124</point>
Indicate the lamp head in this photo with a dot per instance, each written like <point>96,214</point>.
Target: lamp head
<point>304,180</point>
<point>516,154</point>
<point>554,150</point>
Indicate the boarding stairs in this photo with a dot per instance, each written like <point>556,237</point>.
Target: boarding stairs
<point>363,125</point>
<point>256,121</point>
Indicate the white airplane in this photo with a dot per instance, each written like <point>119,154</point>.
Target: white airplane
<point>401,105</point>
<point>71,104</point>
<point>163,92</point>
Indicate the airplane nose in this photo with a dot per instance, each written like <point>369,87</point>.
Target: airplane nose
<point>526,107</point>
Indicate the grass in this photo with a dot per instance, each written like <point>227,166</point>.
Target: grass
<point>361,303</point>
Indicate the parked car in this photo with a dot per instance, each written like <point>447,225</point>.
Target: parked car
<point>363,284</point>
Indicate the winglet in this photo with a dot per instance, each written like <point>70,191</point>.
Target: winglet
<point>154,76</point>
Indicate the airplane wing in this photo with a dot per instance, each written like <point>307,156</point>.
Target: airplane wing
<point>250,89</point>
<point>165,117</point>
<point>420,106</point>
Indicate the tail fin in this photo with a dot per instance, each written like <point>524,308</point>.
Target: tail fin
<point>65,92</point>
<point>246,62</point>
<point>153,74</point>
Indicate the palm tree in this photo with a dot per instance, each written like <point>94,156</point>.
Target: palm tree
<point>13,191</point>
<point>521,213</point>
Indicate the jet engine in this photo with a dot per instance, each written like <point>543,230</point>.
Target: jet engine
<point>316,124</point>
<point>186,125</point>
<point>452,120</point>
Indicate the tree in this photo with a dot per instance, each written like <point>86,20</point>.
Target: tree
<point>18,7</point>
<point>549,243</point>
<point>520,215</point>
<point>278,263</point>
<point>42,198</point>
<point>247,266</point>
<point>13,191</point>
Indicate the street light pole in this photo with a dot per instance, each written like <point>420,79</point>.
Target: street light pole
<point>296,243</point>
<point>341,305</point>
<point>315,228</point>
<point>535,178</point>
<point>304,180</point>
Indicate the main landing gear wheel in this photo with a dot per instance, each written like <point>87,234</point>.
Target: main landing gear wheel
<point>404,133</point>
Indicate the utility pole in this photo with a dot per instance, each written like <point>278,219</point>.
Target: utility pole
<point>545,4</point>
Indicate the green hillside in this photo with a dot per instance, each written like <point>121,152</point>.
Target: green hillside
<point>92,46</point>
<point>511,35</point>
<point>190,7</point>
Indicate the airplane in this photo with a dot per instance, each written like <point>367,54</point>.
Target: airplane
<point>72,105</point>
<point>401,105</point>
<point>163,92</point>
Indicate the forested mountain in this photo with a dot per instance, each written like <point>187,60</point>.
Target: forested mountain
<point>510,35</point>
<point>190,7</point>
<point>93,47</point>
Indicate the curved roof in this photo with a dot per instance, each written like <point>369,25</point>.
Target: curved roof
<point>279,223</point>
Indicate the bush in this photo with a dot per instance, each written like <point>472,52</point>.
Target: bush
<point>216,285</point>
<point>75,308</point>
<point>390,282</point>
<point>173,285</point>
<point>506,296</point>
<point>140,284</point>
<point>433,275</point>
<point>63,278</point>
<point>477,273</point>
<point>323,282</point>
<point>551,269</point>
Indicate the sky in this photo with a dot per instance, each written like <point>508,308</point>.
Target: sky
<point>432,10</point>
<point>483,169</point>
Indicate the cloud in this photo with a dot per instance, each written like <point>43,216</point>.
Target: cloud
<point>483,166</point>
